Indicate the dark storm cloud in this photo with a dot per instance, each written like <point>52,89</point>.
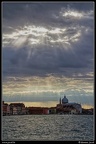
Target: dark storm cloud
<point>28,13</point>
<point>40,14</point>
<point>44,59</point>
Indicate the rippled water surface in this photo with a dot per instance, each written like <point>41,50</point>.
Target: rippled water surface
<point>48,127</point>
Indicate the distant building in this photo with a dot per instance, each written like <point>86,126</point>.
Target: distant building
<point>52,110</point>
<point>35,110</point>
<point>42,110</point>
<point>45,110</point>
<point>27,110</point>
<point>17,108</point>
<point>87,111</point>
<point>15,111</point>
<point>64,100</point>
<point>66,107</point>
<point>6,109</point>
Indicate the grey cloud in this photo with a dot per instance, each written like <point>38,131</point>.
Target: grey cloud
<point>44,59</point>
<point>38,13</point>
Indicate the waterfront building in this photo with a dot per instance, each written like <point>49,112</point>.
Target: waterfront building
<point>27,110</point>
<point>68,107</point>
<point>52,110</point>
<point>17,108</point>
<point>74,111</point>
<point>23,110</point>
<point>15,111</point>
<point>64,100</point>
<point>87,111</point>
<point>35,110</point>
<point>45,110</point>
<point>42,110</point>
<point>6,109</point>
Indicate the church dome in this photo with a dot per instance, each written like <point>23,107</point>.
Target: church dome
<point>64,100</point>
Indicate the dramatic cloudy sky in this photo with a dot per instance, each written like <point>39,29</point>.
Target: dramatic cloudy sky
<point>48,51</point>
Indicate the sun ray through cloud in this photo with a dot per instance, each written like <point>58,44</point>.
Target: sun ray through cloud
<point>48,52</point>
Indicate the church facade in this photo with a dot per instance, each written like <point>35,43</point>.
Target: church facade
<point>65,106</point>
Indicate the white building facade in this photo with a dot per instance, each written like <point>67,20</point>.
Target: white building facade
<point>76,108</point>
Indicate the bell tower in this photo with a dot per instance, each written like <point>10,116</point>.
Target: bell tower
<point>60,100</point>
